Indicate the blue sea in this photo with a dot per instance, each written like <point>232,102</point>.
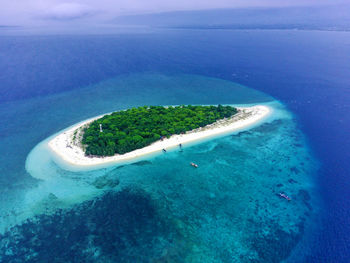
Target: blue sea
<point>160,209</point>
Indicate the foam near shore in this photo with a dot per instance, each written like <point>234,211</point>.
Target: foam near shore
<point>65,144</point>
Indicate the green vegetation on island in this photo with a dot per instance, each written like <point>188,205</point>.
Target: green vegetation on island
<point>125,131</point>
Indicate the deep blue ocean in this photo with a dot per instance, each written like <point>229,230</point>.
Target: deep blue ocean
<point>154,210</point>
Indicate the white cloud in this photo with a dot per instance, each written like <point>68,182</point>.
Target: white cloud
<point>68,11</point>
<point>26,12</point>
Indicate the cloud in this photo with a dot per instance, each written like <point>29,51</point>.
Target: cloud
<point>68,11</point>
<point>31,12</point>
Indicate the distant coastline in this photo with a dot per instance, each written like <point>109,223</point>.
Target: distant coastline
<point>64,146</point>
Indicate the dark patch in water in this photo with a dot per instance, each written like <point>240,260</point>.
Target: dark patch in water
<point>276,245</point>
<point>305,197</point>
<point>243,133</point>
<point>117,227</point>
<point>141,163</point>
<point>105,182</point>
<point>268,127</point>
<point>292,181</point>
<point>294,170</point>
<point>119,167</point>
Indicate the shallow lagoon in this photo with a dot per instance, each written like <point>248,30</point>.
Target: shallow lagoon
<point>161,209</point>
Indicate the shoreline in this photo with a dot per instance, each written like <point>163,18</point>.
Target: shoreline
<point>65,148</point>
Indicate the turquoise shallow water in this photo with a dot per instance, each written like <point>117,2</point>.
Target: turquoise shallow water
<point>160,209</point>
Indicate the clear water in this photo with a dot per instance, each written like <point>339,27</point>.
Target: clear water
<point>161,210</point>
<point>227,209</point>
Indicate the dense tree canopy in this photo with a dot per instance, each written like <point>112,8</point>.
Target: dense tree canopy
<point>135,128</point>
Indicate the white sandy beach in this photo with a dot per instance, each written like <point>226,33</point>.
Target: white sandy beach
<point>70,151</point>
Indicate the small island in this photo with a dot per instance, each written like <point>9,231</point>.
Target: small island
<point>135,128</point>
<point>135,132</point>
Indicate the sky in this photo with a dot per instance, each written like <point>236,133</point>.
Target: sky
<point>46,12</point>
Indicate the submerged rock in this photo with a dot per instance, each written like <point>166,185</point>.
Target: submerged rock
<point>105,181</point>
<point>52,196</point>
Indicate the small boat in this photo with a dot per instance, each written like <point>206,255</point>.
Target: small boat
<point>284,196</point>
<point>194,165</point>
<point>164,151</point>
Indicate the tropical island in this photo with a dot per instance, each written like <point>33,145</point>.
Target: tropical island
<point>135,128</point>
<point>135,132</point>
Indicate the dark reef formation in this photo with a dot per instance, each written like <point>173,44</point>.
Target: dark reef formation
<point>117,227</point>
